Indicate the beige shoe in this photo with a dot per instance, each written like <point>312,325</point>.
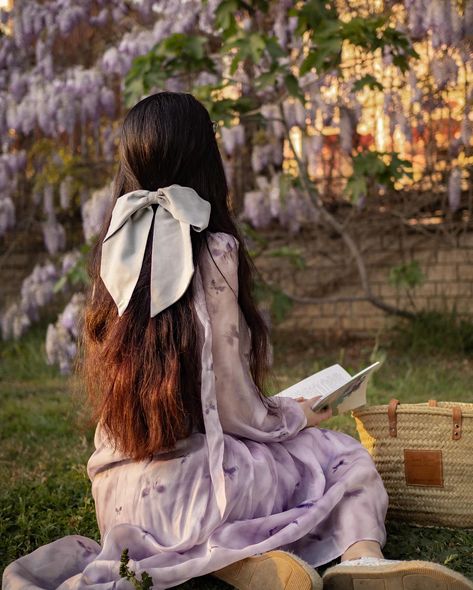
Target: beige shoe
<point>274,570</point>
<point>393,575</point>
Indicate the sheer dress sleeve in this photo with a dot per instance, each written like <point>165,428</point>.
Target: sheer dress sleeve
<point>241,410</point>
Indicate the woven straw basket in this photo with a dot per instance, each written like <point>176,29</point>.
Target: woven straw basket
<point>424,453</point>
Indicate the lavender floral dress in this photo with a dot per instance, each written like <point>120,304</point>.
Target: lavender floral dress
<point>253,482</point>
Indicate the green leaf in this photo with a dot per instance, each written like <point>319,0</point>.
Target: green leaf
<point>266,79</point>
<point>384,168</point>
<point>364,32</point>
<point>256,46</point>
<point>252,47</point>
<point>77,274</point>
<point>175,55</point>
<point>281,305</point>
<point>224,109</point>
<point>234,64</point>
<point>261,292</point>
<point>408,275</point>
<point>309,62</point>
<point>254,235</point>
<point>356,188</point>
<point>374,33</point>
<point>225,15</point>
<point>60,284</point>
<point>325,53</point>
<point>292,254</point>
<point>274,48</point>
<point>293,87</point>
<point>313,14</point>
<point>369,81</point>
<point>134,87</point>
<point>285,183</point>
<point>146,582</point>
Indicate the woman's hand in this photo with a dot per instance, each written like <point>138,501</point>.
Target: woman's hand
<point>313,418</point>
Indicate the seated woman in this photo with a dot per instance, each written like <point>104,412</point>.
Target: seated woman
<point>195,471</point>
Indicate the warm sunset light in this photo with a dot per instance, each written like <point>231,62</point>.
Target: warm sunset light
<point>236,296</point>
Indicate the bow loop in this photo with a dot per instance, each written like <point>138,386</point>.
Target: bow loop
<point>183,208</point>
<point>179,209</point>
<point>131,205</point>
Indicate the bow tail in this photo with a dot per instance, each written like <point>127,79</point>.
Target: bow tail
<point>171,261</point>
<point>122,256</point>
<point>213,427</point>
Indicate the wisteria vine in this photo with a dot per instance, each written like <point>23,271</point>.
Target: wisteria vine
<point>60,113</point>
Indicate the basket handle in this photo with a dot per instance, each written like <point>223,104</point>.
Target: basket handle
<point>457,419</point>
<point>456,416</point>
<point>392,417</point>
<point>457,423</point>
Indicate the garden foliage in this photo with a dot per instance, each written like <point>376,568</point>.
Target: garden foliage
<point>322,109</point>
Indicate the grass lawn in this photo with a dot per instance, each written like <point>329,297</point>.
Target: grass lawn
<point>45,441</point>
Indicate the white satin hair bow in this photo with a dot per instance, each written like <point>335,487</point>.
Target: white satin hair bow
<point>179,209</point>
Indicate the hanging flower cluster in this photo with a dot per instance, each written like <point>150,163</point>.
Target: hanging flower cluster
<point>37,291</point>
<point>61,337</point>
<point>267,205</point>
<point>454,189</point>
<point>233,138</point>
<point>11,165</point>
<point>56,101</point>
<point>94,211</point>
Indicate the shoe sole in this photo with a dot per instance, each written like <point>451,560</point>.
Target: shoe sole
<point>274,570</point>
<point>411,575</point>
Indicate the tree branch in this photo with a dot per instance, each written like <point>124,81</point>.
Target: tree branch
<point>342,232</point>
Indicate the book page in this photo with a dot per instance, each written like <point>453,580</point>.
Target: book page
<point>322,383</point>
<point>336,387</point>
<point>350,395</point>
<point>355,400</point>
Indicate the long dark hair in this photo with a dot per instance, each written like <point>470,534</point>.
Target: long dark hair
<point>143,374</point>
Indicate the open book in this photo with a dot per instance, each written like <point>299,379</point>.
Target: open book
<point>336,387</point>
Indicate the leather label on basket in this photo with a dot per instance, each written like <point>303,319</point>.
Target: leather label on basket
<point>423,468</point>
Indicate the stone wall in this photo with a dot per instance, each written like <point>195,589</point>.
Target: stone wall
<point>447,265</point>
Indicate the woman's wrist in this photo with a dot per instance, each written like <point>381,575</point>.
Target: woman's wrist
<point>313,418</point>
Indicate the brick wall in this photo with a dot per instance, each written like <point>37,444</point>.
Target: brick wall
<point>447,264</point>
<point>329,273</point>
<point>20,250</point>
